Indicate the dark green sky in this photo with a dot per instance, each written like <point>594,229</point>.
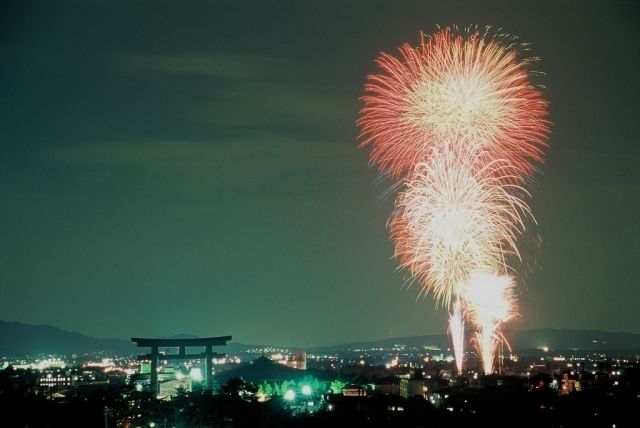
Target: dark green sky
<point>192,166</point>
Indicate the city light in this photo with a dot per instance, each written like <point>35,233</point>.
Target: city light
<point>196,374</point>
<point>290,395</point>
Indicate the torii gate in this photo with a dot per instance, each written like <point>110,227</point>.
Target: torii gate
<point>181,344</point>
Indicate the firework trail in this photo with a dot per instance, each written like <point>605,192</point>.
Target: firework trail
<point>458,124</point>
<point>456,328</point>
<point>489,301</point>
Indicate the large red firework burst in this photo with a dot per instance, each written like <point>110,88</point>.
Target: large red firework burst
<point>465,88</point>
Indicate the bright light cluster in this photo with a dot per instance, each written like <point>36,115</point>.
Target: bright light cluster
<point>457,121</point>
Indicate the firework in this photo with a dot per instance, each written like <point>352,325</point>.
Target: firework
<point>452,220</point>
<point>489,301</point>
<point>457,122</point>
<point>467,89</point>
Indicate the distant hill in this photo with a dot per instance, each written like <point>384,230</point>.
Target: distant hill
<point>436,341</point>
<point>568,339</point>
<point>521,341</point>
<point>19,340</point>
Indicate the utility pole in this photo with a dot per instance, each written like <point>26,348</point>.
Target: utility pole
<point>501,358</point>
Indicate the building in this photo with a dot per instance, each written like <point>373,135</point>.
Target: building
<point>169,388</point>
<point>412,388</point>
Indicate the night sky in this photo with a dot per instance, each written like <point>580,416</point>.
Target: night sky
<point>192,167</point>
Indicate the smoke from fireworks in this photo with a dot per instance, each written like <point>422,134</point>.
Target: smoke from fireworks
<point>457,121</point>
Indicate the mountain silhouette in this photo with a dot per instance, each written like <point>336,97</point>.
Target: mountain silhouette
<point>20,340</point>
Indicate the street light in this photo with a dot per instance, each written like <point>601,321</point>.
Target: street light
<point>107,413</point>
<point>290,395</point>
<point>306,391</point>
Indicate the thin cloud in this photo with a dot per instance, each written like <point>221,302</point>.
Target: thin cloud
<point>230,163</point>
<point>266,105</point>
<point>212,65</point>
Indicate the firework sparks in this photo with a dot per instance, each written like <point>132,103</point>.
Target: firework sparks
<point>452,220</point>
<point>466,89</point>
<point>458,123</point>
<point>489,301</point>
